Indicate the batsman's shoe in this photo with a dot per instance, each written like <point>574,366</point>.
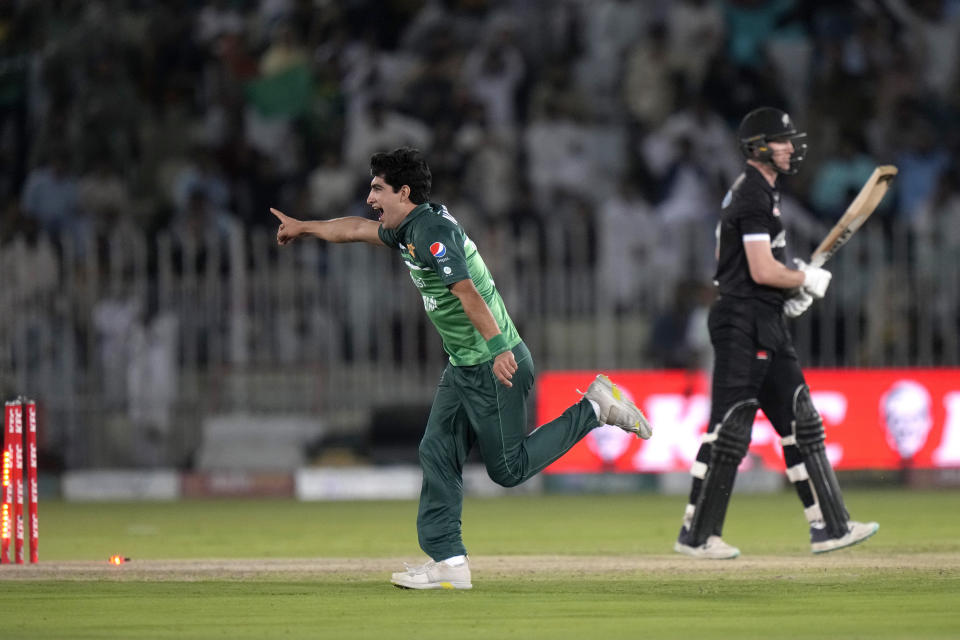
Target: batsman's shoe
<point>857,532</point>
<point>713,549</point>
<point>615,408</point>
<point>434,575</point>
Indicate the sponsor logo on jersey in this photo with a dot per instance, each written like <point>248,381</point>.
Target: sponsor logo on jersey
<point>762,354</point>
<point>438,249</point>
<point>412,250</point>
<point>447,270</point>
<point>780,240</point>
<point>776,211</point>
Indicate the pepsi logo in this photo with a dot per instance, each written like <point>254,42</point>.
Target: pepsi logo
<point>438,250</point>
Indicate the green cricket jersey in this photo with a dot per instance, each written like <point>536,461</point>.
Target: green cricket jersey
<point>438,253</point>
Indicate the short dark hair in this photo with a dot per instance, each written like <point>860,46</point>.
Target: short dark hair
<point>404,166</point>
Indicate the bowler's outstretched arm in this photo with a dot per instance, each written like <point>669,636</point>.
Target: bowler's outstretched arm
<point>349,229</point>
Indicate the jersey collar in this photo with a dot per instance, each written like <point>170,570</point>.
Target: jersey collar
<point>754,174</point>
<point>416,212</point>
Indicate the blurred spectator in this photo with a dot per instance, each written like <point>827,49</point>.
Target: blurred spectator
<point>152,387</point>
<point>688,213</point>
<point>332,186</point>
<point>649,80</point>
<point>557,152</point>
<point>217,19</point>
<point>713,142</point>
<point>201,173</point>
<point>627,236</point>
<point>840,177</point>
<point>255,182</point>
<point>937,225</point>
<point>27,257</point>
<point>555,92</point>
<point>108,108</point>
<point>689,193</point>
<point>103,195</point>
<point>202,218</point>
<point>732,90</point>
<point>921,163</point>
<point>610,32</point>
<point>611,26</point>
<point>430,93</point>
<point>285,52</point>
<point>833,107</point>
<point>933,35</point>
<point>451,150</point>
<point>272,12</point>
<point>50,195</point>
<point>379,127</point>
<point>696,34</point>
<point>751,24</point>
<point>679,338</point>
<point>489,170</point>
<point>236,62</point>
<point>936,247</point>
<point>897,84</point>
<point>492,74</point>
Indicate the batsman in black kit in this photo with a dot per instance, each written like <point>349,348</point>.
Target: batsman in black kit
<point>755,363</point>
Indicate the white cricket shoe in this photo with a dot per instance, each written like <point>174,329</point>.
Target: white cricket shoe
<point>615,408</point>
<point>713,549</point>
<point>434,575</point>
<point>856,532</point>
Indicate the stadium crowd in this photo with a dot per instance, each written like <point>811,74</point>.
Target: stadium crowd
<point>147,112</point>
<point>612,120</point>
<point>614,115</point>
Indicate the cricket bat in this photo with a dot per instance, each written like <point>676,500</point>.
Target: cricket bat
<point>856,214</point>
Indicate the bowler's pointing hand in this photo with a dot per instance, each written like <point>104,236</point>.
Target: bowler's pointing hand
<point>504,366</point>
<point>289,227</point>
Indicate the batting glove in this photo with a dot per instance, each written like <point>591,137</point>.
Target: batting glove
<point>815,279</point>
<point>794,306</point>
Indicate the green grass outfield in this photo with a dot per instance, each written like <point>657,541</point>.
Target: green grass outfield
<point>543,567</point>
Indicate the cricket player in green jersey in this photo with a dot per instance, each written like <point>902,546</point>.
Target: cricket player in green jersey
<point>482,395</point>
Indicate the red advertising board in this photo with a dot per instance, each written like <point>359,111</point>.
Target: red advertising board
<point>874,419</point>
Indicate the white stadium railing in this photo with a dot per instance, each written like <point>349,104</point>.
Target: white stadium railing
<point>140,337</point>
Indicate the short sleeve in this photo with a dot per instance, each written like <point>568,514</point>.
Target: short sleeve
<point>388,237</point>
<point>754,225</point>
<point>752,215</point>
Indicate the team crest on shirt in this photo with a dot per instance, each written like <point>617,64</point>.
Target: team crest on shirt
<point>412,250</point>
<point>438,249</point>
